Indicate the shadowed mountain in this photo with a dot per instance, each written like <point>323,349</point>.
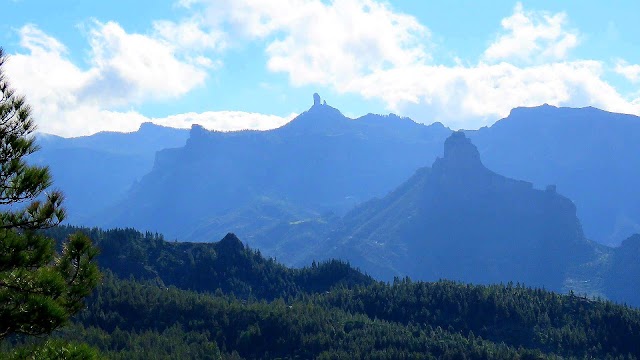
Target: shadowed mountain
<point>460,221</point>
<point>97,170</point>
<point>590,154</point>
<point>161,300</point>
<point>321,161</point>
<point>227,265</point>
<point>622,279</point>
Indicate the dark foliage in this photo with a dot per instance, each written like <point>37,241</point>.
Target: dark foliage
<point>227,265</point>
<point>326,311</point>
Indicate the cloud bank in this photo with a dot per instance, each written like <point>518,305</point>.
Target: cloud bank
<point>362,47</point>
<point>125,70</point>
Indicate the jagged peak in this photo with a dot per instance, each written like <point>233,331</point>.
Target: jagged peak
<point>458,148</point>
<point>148,125</point>
<point>197,134</point>
<point>319,117</point>
<point>460,156</point>
<point>231,241</point>
<point>321,105</point>
<point>197,129</point>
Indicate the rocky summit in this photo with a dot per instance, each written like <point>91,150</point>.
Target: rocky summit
<point>459,220</point>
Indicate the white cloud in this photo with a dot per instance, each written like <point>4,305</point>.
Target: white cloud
<point>124,69</point>
<point>315,42</point>
<point>366,47</point>
<point>134,67</point>
<point>225,120</point>
<point>45,73</point>
<point>190,35</point>
<point>88,119</point>
<point>532,36</point>
<point>360,47</point>
<point>470,97</point>
<point>629,71</point>
<point>35,40</point>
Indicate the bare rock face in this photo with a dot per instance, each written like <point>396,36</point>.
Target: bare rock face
<point>316,99</point>
<point>460,155</point>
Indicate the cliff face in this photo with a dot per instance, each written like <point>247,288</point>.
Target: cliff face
<point>588,153</point>
<point>461,221</point>
<point>96,171</point>
<point>321,161</point>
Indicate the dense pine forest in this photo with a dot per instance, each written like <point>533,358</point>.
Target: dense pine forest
<point>245,306</point>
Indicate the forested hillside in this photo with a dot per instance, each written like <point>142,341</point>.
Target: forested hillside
<point>227,265</point>
<point>133,315</point>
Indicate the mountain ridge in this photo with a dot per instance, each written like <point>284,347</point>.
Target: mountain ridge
<point>584,152</point>
<point>459,220</point>
<point>315,168</point>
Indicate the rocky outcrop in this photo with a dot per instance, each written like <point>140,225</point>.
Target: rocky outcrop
<point>461,221</point>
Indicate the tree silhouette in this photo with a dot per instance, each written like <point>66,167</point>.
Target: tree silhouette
<point>40,288</point>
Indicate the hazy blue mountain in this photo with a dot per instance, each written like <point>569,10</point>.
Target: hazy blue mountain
<point>145,141</point>
<point>321,161</point>
<point>622,279</point>
<point>590,154</point>
<point>97,170</point>
<point>459,220</point>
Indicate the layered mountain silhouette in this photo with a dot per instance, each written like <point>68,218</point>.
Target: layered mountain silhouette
<point>590,154</point>
<point>320,162</point>
<point>459,220</point>
<point>303,192</point>
<point>323,162</point>
<point>96,171</point>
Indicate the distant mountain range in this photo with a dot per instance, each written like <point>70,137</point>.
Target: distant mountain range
<point>321,162</point>
<point>590,154</point>
<point>458,220</point>
<point>304,192</point>
<point>97,171</point>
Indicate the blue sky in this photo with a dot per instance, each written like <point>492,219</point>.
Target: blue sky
<point>87,66</point>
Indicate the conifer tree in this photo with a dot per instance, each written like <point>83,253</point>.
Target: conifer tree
<point>40,288</point>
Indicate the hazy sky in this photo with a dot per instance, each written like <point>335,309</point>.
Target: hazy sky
<point>87,66</point>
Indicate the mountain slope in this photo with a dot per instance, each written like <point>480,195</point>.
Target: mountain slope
<point>590,154</point>
<point>324,162</point>
<point>96,171</point>
<point>246,306</point>
<point>405,320</point>
<point>460,221</point>
<point>319,162</point>
<point>227,265</point>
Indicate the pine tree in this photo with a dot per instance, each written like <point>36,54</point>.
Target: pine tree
<point>40,288</point>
